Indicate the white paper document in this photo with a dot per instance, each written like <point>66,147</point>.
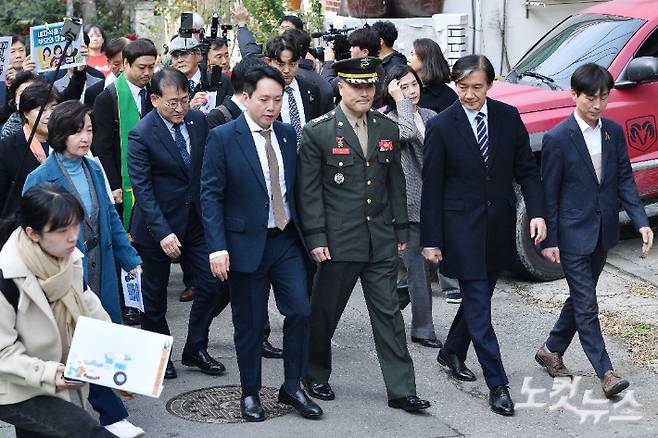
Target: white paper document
<point>132,290</point>
<point>118,356</point>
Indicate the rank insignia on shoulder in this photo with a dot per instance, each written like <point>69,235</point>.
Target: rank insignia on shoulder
<point>385,145</point>
<point>339,178</point>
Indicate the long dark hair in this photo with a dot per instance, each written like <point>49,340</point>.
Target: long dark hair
<point>435,69</point>
<point>44,207</point>
<point>397,73</point>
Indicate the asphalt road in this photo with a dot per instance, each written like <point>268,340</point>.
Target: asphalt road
<point>458,408</point>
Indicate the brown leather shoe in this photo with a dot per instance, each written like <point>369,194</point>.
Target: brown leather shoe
<point>612,383</point>
<point>552,362</point>
<point>188,294</point>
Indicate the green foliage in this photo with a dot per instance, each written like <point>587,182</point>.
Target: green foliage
<point>18,15</point>
<point>265,17</point>
<point>313,18</point>
<point>114,16</point>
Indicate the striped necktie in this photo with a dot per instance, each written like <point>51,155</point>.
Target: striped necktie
<point>482,135</point>
<point>295,120</point>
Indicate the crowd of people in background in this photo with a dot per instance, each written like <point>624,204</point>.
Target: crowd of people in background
<point>278,173</point>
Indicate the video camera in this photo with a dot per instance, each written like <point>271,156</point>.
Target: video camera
<point>337,38</point>
<point>187,29</point>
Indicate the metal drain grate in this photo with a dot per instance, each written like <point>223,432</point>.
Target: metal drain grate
<point>221,404</point>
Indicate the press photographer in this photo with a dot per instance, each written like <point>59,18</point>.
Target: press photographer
<point>363,42</point>
<point>209,85</point>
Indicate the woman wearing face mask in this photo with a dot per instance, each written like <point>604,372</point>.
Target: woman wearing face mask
<point>43,294</point>
<point>402,92</point>
<point>102,238</point>
<point>19,159</point>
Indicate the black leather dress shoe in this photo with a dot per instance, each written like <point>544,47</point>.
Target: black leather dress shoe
<point>203,361</point>
<point>271,352</point>
<point>457,367</point>
<point>319,390</point>
<point>170,372</point>
<point>431,343</point>
<point>131,316</point>
<point>251,409</point>
<point>500,401</point>
<point>410,403</point>
<point>306,407</point>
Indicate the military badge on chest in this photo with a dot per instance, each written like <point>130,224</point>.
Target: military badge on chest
<point>340,149</point>
<point>385,145</point>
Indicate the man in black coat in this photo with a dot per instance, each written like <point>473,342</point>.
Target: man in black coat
<point>390,57</point>
<point>474,152</point>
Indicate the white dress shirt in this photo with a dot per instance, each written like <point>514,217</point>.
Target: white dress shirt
<point>196,77</point>
<point>240,105</point>
<point>592,138</point>
<point>285,107</point>
<point>183,130</point>
<point>418,120</point>
<point>109,79</point>
<point>259,141</point>
<point>472,114</point>
<point>134,89</point>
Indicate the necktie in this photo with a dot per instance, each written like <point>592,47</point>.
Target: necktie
<point>280,219</point>
<point>182,145</point>
<point>192,87</point>
<point>142,102</point>
<point>361,132</point>
<point>294,114</point>
<point>483,135</point>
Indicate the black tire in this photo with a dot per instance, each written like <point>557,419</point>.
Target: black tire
<point>120,378</point>
<point>529,264</point>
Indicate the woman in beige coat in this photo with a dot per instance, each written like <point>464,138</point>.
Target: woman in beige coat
<point>43,294</point>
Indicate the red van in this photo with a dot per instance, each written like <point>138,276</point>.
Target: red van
<point>620,35</point>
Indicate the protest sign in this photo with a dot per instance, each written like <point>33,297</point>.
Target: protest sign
<point>47,47</point>
<point>5,56</point>
<point>118,356</point>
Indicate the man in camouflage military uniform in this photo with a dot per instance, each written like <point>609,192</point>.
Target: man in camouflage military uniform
<point>352,208</point>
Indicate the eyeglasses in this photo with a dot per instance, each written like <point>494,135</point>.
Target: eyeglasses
<point>174,103</point>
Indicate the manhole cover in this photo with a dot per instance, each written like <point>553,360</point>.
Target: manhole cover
<point>221,404</point>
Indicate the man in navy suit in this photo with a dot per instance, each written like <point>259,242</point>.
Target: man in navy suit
<point>248,199</point>
<point>474,151</point>
<point>586,172</point>
<point>165,151</point>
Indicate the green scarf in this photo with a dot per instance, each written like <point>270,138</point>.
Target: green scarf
<point>128,118</point>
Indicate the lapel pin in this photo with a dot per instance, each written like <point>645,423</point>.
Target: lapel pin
<point>285,140</point>
<point>606,136</point>
<point>340,123</point>
<point>191,122</point>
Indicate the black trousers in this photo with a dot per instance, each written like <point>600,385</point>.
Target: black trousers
<point>49,417</point>
<point>580,312</point>
<point>157,267</point>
